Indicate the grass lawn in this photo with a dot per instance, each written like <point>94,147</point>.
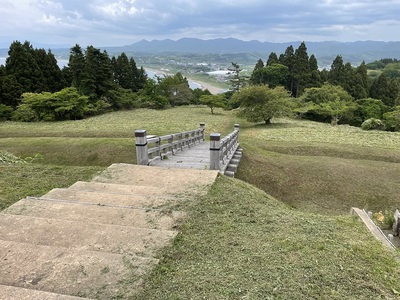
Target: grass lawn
<point>18,181</point>
<point>323,169</point>
<point>238,241</point>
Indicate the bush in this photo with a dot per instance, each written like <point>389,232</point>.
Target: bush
<point>373,124</point>
<point>366,109</point>
<point>5,112</point>
<point>24,113</point>
<point>392,119</point>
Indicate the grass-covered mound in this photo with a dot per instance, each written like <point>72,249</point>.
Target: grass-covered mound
<point>18,181</point>
<point>240,243</point>
<point>323,169</point>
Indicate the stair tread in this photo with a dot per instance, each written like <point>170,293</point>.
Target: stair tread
<point>18,293</point>
<point>68,271</point>
<point>83,235</point>
<point>176,180</point>
<point>77,211</point>
<point>110,199</point>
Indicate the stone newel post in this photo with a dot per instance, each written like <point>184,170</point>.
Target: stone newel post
<point>142,157</point>
<point>215,145</point>
<point>203,128</point>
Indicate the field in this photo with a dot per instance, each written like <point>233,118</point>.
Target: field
<point>282,230</point>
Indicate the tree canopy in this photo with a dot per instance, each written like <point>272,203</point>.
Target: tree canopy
<point>329,101</point>
<point>261,103</point>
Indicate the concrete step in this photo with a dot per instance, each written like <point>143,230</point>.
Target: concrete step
<point>175,180</point>
<point>17,293</point>
<point>83,235</point>
<point>116,188</point>
<point>76,211</point>
<point>68,271</point>
<point>105,197</point>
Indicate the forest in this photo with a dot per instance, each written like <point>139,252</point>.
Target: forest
<point>34,88</point>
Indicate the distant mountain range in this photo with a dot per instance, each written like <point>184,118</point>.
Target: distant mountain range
<point>354,52</point>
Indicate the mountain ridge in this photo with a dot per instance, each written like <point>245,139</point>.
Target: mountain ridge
<point>325,51</point>
<point>355,52</point>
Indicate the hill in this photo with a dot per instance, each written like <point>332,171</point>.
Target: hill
<point>355,52</point>
<point>290,238</point>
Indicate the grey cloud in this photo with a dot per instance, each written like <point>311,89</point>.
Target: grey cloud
<point>116,22</point>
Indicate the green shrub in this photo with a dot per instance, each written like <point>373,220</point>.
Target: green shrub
<point>5,112</point>
<point>366,109</point>
<point>373,124</point>
<point>392,119</point>
<point>24,113</point>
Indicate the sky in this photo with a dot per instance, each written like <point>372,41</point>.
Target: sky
<point>104,23</point>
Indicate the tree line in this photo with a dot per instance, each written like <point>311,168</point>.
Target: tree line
<point>34,88</point>
<point>293,83</point>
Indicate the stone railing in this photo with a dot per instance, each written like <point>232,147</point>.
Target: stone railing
<point>225,153</point>
<point>150,148</point>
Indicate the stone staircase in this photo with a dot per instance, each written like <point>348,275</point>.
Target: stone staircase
<point>94,240</point>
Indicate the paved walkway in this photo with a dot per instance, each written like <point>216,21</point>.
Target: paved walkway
<point>196,157</point>
<point>97,239</point>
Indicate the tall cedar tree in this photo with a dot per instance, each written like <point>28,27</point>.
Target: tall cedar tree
<point>139,76</point>
<point>21,62</point>
<point>53,77</point>
<point>254,79</point>
<point>287,59</point>
<point>122,71</point>
<point>315,78</point>
<point>91,72</point>
<point>301,72</point>
<point>29,70</point>
<point>272,59</point>
<point>76,66</point>
<point>337,72</point>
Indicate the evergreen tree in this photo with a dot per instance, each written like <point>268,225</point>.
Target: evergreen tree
<point>237,80</point>
<point>254,79</point>
<point>10,91</point>
<point>384,89</point>
<point>287,59</point>
<point>361,89</point>
<point>52,76</point>
<point>77,67</point>
<point>141,79</point>
<point>97,77</point>
<point>301,72</point>
<point>313,63</point>
<point>21,63</point>
<point>272,59</point>
<point>337,72</point>
<point>122,71</point>
<point>139,76</point>
<point>392,93</point>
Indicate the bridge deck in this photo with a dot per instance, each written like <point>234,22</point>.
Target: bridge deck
<point>196,157</point>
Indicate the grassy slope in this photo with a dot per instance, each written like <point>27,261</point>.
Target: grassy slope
<point>76,150</point>
<point>105,139</point>
<point>239,242</point>
<point>323,169</point>
<point>18,181</point>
